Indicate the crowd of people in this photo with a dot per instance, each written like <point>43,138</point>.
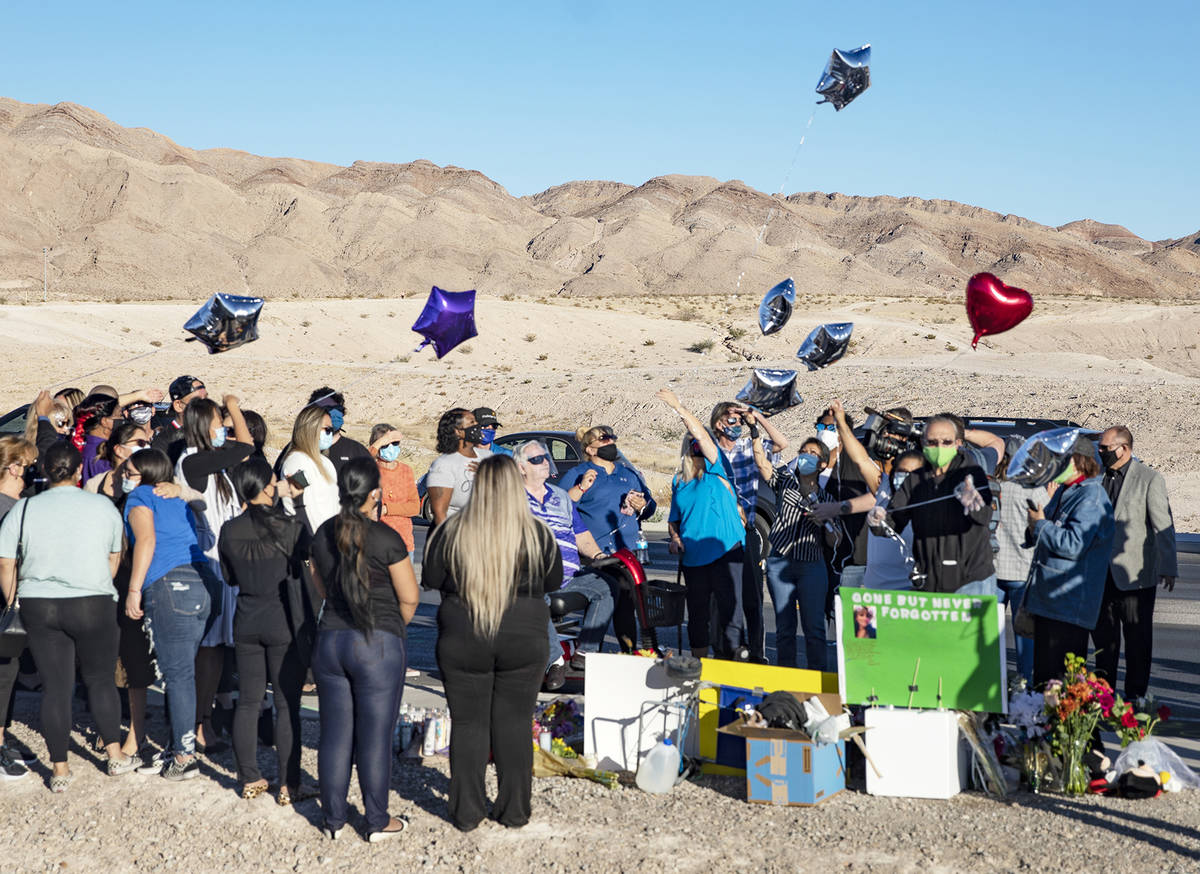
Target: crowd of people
<point>147,538</point>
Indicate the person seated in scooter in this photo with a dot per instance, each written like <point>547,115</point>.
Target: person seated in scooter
<point>551,505</point>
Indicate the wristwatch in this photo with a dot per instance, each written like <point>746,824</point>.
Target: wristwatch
<point>844,508</point>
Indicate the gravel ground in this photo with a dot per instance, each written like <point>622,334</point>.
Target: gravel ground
<point>140,823</point>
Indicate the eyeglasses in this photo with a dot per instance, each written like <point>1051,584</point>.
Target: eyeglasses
<point>1112,448</point>
<point>537,459</point>
<point>821,427</point>
<point>140,444</point>
<point>929,441</point>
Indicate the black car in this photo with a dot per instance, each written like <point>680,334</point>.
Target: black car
<point>13,423</point>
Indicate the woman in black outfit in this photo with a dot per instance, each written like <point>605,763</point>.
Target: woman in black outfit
<point>264,554</point>
<point>493,562</point>
<point>360,659</point>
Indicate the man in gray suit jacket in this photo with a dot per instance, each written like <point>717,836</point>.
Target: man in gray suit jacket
<point>1143,556</point>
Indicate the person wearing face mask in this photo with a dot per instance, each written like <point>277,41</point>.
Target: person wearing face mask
<point>398,501</point>
<point>169,437</point>
<point>732,426</point>
<point>307,468</point>
<point>93,425</point>
<point>796,571</point>
<point>888,561</point>
<point>1072,540</point>
<point>125,439</point>
<point>203,465</point>
<point>452,474</point>
<point>1144,557</point>
<point>342,448</point>
<point>951,540</point>
<point>485,417</point>
<point>850,481</point>
<point>16,455</point>
<point>707,532</point>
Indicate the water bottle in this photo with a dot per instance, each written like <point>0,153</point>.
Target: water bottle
<point>429,742</point>
<point>641,548</point>
<point>659,768</point>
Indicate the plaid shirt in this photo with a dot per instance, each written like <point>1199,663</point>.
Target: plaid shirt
<point>745,471</point>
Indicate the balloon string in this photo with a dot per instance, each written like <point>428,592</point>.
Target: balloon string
<point>762,232</point>
<point>104,368</point>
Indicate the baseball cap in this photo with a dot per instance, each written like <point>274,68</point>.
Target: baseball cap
<point>182,386</point>
<point>486,416</point>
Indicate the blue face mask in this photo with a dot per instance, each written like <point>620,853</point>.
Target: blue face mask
<point>128,485</point>
<point>488,435</point>
<point>898,479</point>
<point>733,432</point>
<point>389,452</point>
<point>218,439</point>
<point>337,418</point>
<point>324,441</point>
<point>806,465</point>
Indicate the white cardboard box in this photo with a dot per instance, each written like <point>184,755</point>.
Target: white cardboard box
<point>919,753</point>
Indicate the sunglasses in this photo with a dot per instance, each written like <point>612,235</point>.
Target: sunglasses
<point>821,427</point>
<point>386,445</point>
<point>140,444</point>
<point>537,459</point>
<point>607,438</point>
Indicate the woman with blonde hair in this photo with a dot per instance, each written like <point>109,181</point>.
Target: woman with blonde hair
<point>310,472</point>
<point>493,562</point>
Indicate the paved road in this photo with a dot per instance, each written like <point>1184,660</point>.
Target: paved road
<point>1175,679</point>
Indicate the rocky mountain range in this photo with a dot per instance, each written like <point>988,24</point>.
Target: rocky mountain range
<point>127,214</point>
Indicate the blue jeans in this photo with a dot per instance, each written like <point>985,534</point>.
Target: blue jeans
<point>601,599</point>
<point>176,608</point>
<point>798,584</point>
<point>1012,592</point>
<point>359,684</point>
<point>981,587</point>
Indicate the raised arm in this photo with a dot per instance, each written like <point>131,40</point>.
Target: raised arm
<point>241,431</point>
<point>764,421</point>
<point>855,451</point>
<point>699,433</point>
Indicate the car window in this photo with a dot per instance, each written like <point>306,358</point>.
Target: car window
<point>561,450</point>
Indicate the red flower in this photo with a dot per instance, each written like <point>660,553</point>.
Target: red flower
<point>1106,700</point>
<point>1128,720</point>
<point>1164,713</point>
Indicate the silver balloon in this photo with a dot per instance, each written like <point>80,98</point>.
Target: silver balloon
<point>847,75</point>
<point>226,321</point>
<point>1046,454</point>
<point>776,306</point>
<point>825,345</point>
<point>771,391</point>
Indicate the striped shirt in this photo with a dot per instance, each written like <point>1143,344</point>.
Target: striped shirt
<point>560,515</point>
<point>794,533</point>
<point>745,471</point>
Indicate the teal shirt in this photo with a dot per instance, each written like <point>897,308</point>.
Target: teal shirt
<point>69,535</point>
<point>706,512</point>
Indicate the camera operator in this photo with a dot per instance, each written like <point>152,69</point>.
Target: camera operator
<point>951,540</point>
<point>855,474</point>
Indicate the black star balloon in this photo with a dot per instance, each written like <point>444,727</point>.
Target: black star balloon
<point>846,76</point>
<point>771,390</point>
<point>776,306</point>
<point>1046,455</point>
<point>226,321</point>
<point>825,345</point>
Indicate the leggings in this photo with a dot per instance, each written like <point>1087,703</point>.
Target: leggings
<point>258,657</point>
<point>61,630</point>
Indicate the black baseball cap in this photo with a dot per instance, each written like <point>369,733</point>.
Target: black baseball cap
<point>182,386</point>
<point>486,416</point>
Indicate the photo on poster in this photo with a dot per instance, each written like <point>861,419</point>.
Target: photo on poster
<point>865,622</point>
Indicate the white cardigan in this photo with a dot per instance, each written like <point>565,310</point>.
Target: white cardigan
<point>320,498</point>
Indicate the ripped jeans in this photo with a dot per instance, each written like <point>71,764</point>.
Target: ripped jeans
<point>176,607</point>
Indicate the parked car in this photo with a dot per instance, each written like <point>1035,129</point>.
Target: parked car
<point>13,422</point>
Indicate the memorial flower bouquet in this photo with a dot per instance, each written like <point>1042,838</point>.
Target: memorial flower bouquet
<point>1074,706</point>
<point>1131,724</point>
<point>1027,714</point>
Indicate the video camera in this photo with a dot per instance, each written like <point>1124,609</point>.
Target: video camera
<point>887,435</point>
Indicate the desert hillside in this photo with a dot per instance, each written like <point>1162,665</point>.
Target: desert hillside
<point>128,214</point>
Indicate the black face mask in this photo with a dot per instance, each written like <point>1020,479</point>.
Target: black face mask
<point>473,434</point>
<point>1108,457</point>
<point>608,452</point>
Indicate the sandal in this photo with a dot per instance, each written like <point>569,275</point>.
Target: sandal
<point>288,797</point>
<point>252,790</point>
<point>60,782</point>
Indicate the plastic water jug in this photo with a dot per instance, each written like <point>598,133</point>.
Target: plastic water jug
<point>659,768</point>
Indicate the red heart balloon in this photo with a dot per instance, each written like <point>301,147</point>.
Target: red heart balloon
<point>994,307</point>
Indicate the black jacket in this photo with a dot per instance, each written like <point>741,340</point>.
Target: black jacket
<point>953,549</point>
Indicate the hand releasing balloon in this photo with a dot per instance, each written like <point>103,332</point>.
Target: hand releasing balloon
<point>776,307</point>
<point>225,322</point>
<point>447,320</point>
<point>825,345</point>
<point>771,390</point>
<point>847,75</point>
<point>969,496</point>
<point>994,307</point>
<point>1047,454</point>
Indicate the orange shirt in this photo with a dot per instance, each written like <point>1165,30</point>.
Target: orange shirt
<point>399,488</point>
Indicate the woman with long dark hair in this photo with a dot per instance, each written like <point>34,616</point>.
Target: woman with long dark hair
<point>123,440</point>
<point>93,424</point>
<point>58,551</point>
<point>493,563</point>
<point>204,466</point>
<point>167,590</point>
<point>360,658</point>
<point>264,555</point>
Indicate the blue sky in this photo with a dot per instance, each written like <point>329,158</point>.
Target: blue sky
<point>1050,110</point>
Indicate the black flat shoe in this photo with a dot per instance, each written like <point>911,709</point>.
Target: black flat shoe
<point>556,676</point>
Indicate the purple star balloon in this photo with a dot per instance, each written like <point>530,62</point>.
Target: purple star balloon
<point>447,320</point>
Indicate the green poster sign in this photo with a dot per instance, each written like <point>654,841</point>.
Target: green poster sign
<point>903,648</point>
